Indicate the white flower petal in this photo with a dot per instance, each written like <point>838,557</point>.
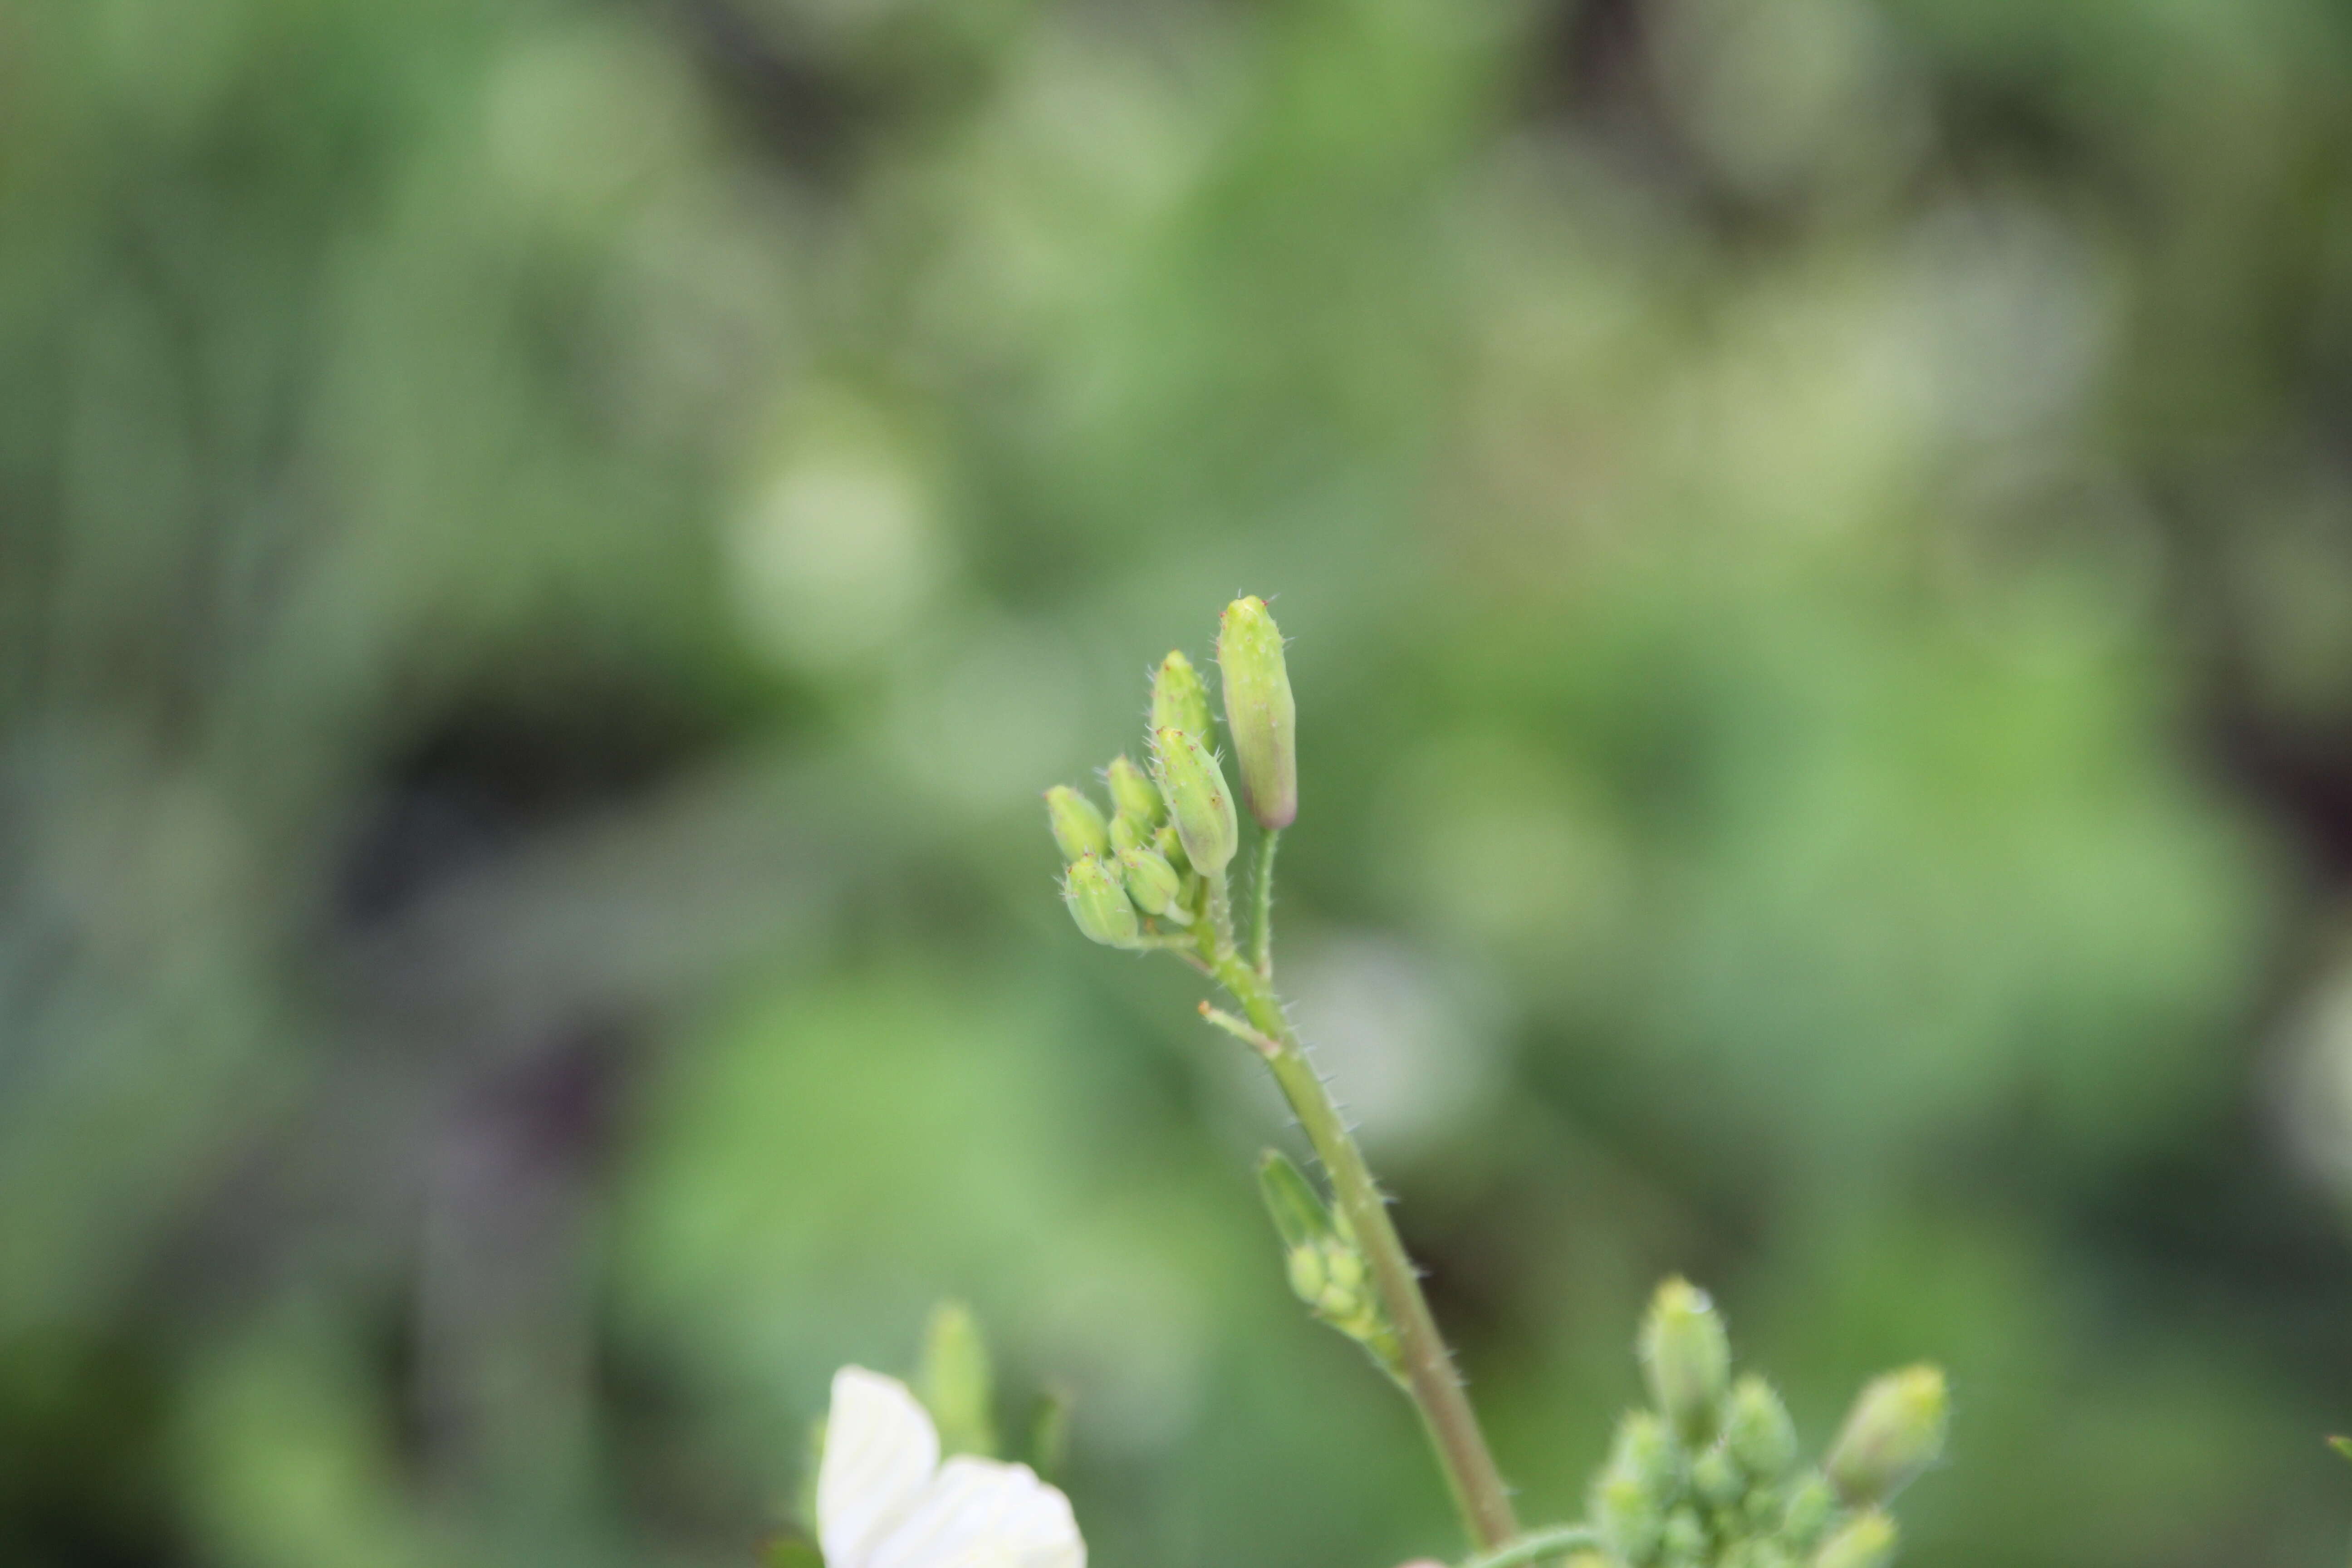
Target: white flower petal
<point>880,1450</point>
<point>980,1513</point>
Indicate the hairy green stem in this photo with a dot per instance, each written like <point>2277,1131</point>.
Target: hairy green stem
<point>1220,932</point>
<point>1262,937</point>
<point>1538,1544</point>
<point>1430,1377</point>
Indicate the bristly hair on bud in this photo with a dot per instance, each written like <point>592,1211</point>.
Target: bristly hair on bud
<point>1077,823</point>
<point>1096,895</point>
<point>1198,800</point>
<point>1687,1357</point>
<point>1896,1431</point>
<point>1261,715</point>
<point>1179,700</point>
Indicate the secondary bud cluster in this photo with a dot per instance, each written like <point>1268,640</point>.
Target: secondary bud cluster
<point>1710,1478</point>
<point>1326,1267</point>
<point>1172,827</point>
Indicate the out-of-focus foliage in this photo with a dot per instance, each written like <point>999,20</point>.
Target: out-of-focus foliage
<point>547,550</point>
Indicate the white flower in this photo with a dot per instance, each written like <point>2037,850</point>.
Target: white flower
<point>884,1500</point>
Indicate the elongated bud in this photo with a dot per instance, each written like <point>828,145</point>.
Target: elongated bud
<point>1198,800</point>
<point>1097,899</point>
<point>1867,1542</point>
<point>1077,823</point>
<point>1298,1211</point>
<point>1686,1356</point>
<point>1896,1430</point>
<point>1261,715</point>
<point>1758,1431</point>
<point>1132,793</point>
<point>1179,700</point>
<point>1153,885</point>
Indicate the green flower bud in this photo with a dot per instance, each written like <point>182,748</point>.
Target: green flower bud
<point>1125,835</point>
<point>1758,1431</point>
<point>1812,1504</point>
<point>1260,713</point>
<point>1896,1430</point>
<point>1717,1478</point>
<point>1629,1521</point>
<point>1304,1268</point>
<point>1154,885</point>
<point>1644,1450</point>
<point>955,1381</point>
<point>1132,793</point>
<point>1868,1541</point>
<point>1171,848</point>
<point>1684,1538</point>
<point>1180,700</point>
<point>1686,1356</point>
<point>1078,823</point>
<point>1097,899</point>
<point>1197,798</point>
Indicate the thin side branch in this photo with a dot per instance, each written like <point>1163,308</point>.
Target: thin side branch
<point>1256,1040</point>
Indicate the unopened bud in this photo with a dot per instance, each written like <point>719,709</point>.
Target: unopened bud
<point>1303,1267</point>
<point>1629,1523</point>
<point>1686,1356</point>
<point>1717,1478</point>
<point>1132,793</point>
<point>1684,1539</point>
<point>1867,1542</point>
<point>1125,835</point>
<point>1198,800</point>
<point>1896,1430</point>
<point>1171,849</point>
<point>1078,823</point>
<point>1261,716</point>
<point>1645,1451</point>
<point>1179,700</point>
<point>1097,899</point>
<point>1812,1506</point>
<point>1153,885</point>
<point>1758,1431</point>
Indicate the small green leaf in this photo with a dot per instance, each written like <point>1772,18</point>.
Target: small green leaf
<point>2342,1446</point>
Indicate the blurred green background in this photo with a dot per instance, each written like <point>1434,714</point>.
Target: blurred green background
<point>546,551</point>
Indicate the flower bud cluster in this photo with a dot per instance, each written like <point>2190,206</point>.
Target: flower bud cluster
<point>1173,828</point>
<point>1136,864</point>
<point>1327,1268</point>
<point>1710,1477</point>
